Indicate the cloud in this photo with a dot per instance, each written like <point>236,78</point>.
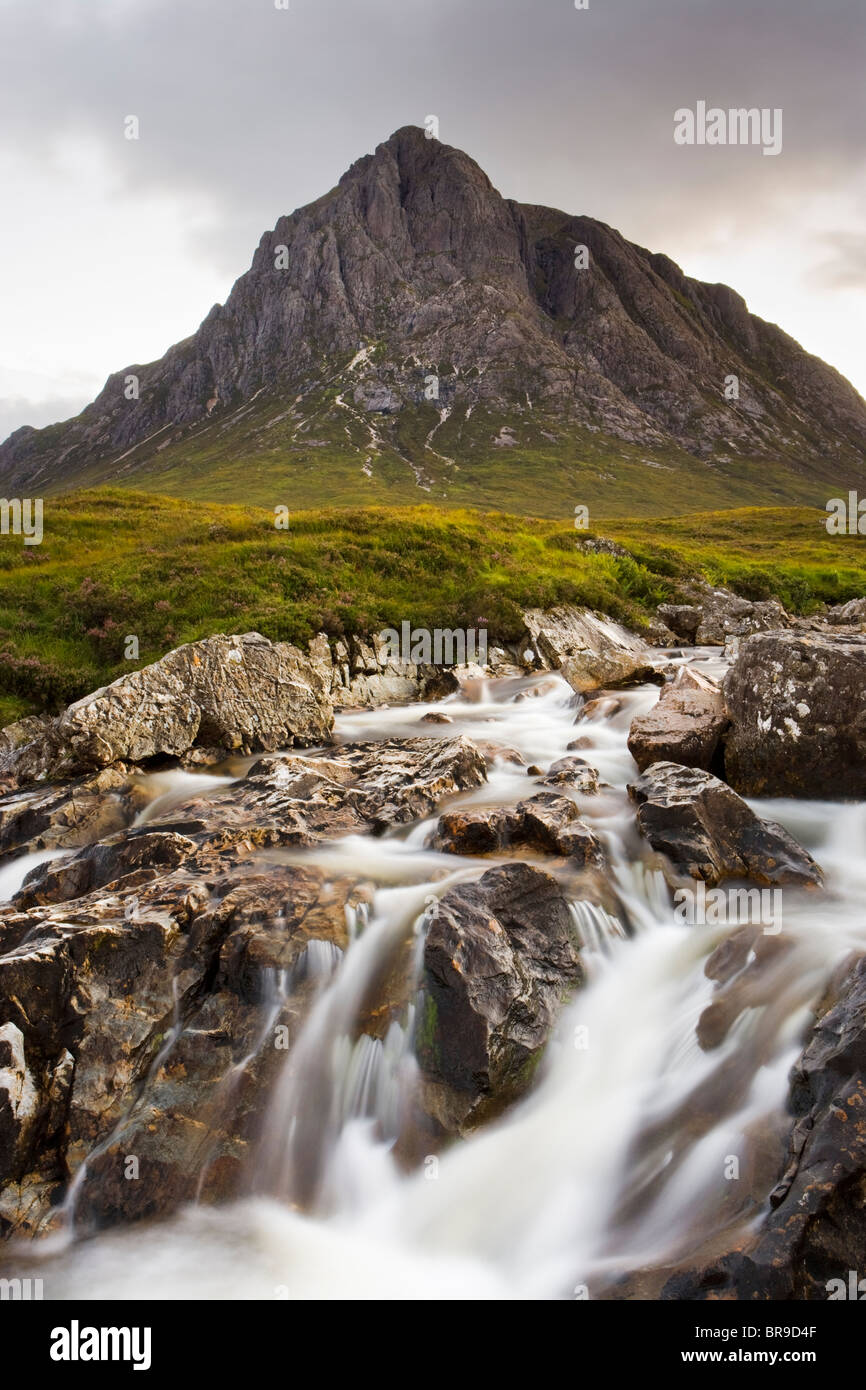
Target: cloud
<point>18,410</point>
<point>845,268</point>
<point>247,112</point>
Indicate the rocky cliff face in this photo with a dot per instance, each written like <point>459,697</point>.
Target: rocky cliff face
<point>414,268</point>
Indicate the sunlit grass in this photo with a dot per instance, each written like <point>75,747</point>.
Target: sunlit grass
<point>115,564</point>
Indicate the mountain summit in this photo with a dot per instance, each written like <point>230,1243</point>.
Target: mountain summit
<point>414,335</point>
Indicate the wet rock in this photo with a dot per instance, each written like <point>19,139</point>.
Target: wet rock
<point>135,1011</point>
<point>293,800</point>
<point>604,707</point>
<point>499,752</point>
<point>684,727</point>
<point>797,703</point>
<point>589,650</point>
<point>500,959</point>
<point>243,693</point>
<point>573,772</point>
<point>75,814</point>
<point>435,718</point>
<point>708,832</point>
<point>18,1097</point>
<point>815,1232</point>
<point>103,866</point>
<point>546,822</point>
<point>146,975</point>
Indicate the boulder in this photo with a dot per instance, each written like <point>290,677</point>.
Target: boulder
<point>591,651</point>
<point>851,614</point>
<point>797,703</point>
<point>573,772</point>
<point>129,1012</point>
<point>548,823</point>
<point>814,1234</point>
<point>76,813</point>
<point>716,615</point>
<point>681,619</point>
<point>500,958</point>
<point>142,978</point>
<point>709,833</point>
<point>684,727</point>
<point>239,693</point>
<point>360,672</point>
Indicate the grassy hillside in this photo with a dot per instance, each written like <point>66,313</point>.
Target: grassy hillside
<point>319,449</point>
<point>115,563</point>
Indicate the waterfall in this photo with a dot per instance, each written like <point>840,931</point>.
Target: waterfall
<point>635,1147</point>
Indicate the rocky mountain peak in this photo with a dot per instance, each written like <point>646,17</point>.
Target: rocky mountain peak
<point>548,328</point>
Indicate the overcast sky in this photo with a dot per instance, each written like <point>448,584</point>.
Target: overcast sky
<point>112,249</point>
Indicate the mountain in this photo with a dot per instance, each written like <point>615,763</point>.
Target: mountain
<point>415,336</point>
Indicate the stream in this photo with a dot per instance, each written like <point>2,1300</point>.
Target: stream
<point>635,1149</point>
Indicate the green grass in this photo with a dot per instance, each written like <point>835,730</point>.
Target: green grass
<point>318,449</point>
<point>116,563</point>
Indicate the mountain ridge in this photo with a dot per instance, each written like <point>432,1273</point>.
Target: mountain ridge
<point>412,325</point>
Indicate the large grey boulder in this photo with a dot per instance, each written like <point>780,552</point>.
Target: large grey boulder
<point>709,833</point>
<point>850,614</point>
<point>591,651</point>
<point>797,703</point>
<point>234,693</point>
<point>716,615</point>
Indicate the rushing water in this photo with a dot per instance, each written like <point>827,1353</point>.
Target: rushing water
<point>621,1158</point>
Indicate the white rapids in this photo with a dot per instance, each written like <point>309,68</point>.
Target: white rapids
<point>618,1159</point>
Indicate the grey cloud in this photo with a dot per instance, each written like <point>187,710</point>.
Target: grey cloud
<point>20,410</point>
<point>263,109</point>
<point>845,268</point>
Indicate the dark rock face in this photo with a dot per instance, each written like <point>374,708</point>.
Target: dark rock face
<point>546,822</point>
<point>240,693</point>
<point>708,832</point>
<point>75,814</point>
<point>416,251</point>
<point>501,957</point>
<point>684,727</point>
<point>797,703</point>
<point>142,978</point>
<point>817,1226</point>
